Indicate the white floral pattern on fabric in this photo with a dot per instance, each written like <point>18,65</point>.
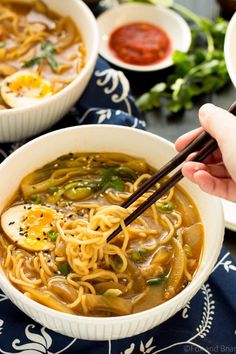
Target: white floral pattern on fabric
<point>110,79</point>
<point>1,325</point>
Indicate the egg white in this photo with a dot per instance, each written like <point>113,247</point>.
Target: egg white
<point>15,224</point>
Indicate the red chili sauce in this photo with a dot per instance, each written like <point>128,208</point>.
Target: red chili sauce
<point>140,43</point>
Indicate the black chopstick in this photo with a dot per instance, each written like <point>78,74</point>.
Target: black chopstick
<point>209,147</point>
<point>200,141</point>
<point>203,141</point>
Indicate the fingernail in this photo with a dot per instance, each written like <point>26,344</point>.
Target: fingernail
<point>203,111</point>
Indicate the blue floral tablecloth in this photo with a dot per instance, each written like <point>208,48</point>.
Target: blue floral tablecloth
<point>207,324</point>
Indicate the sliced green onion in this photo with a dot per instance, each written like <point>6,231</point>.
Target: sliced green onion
<point>64,268</point>
<point>165,207</point>
<point>137,255</point>
<point>52,189</point>
<point>118,263</point>
<point>52,235</point>
<point>35,199</point>
<point>157,281</point>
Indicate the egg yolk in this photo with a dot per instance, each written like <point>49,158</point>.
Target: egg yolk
<point>38,222</point>
<point>30,86</point>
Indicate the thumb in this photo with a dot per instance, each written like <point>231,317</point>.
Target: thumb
<point>221,125</point>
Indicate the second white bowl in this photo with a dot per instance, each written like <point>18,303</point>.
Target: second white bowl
<point>23,122</point>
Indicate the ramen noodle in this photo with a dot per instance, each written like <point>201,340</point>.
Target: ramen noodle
<point>41,52</point>
<point>53,244</point>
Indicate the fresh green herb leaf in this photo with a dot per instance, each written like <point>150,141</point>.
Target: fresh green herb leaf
<point>201,70</point>
<point>64,268</point>
<point>52,235</point>
<point>48,47</point>
<point>157,281</point>
<point>52,61</point>
<point>110,180</point>
<point>47,53</point>
<point>32,62</point>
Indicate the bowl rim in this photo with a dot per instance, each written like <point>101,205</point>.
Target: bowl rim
<point>93,26</point>
<point>227,48</point>
<point>146,8</point>
<point>201,275</point>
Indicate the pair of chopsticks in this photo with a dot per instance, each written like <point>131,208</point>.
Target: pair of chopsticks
<point>204,142</point>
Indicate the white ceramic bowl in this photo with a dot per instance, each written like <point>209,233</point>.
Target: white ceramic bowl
<point>173,24</point>
<point>19,123</point>
<point>230,49</point>
<point>106,138</point>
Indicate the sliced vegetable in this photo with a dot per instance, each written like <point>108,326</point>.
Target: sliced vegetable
<point>177,270</point>
<point>192,236</point>
<point>64,268</point>
<point>77,193</point>
<point>52,189</point>
<point>157,281</point>
<point>165,207</point>
<point>135,273</point>
<point>137,255</point>
<point>46,299</point>
<point>35,199</point>
<point>112,292</point>
<point>114,305</point>
<point>118,263</point>
<point>187,250</point>
<point>53,235</point>
<point>102,287</point>
<point>126,173</point>
<point>65,291</point>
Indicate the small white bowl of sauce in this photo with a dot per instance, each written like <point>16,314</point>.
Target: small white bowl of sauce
<point>142,37</point>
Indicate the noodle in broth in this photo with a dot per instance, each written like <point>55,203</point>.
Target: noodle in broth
<point>70,207</point>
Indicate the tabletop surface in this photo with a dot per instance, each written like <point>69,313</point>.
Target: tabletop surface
<point>171,126</point>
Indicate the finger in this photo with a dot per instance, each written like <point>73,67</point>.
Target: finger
<point>187,138</point>
<point>221,125</point>
<point>217,121</point>
<point>214,158</point>
<point>190,168</point>
<point>220,187</point>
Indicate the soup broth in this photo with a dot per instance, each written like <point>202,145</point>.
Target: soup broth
<point>53,237</point>
<point>41,52</point>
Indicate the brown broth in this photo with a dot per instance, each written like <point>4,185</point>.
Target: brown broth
<point>153,263</point>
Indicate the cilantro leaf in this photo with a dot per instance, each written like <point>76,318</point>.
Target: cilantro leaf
<point>201,70</point>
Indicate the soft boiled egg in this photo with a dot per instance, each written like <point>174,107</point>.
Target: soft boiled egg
<point>24,88</point>
<point>32,227</point>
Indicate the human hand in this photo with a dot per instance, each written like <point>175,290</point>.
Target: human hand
<point>217,175</point>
